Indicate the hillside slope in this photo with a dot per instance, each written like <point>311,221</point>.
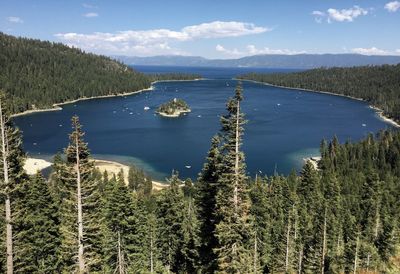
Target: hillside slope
<point>36,74</point>
<point>378,85</point>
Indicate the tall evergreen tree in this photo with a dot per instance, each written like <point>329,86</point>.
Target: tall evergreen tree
<point>119,220</point>
<point>170,214</point>
<point>12,176</point>
<point>38,239</point>
<point>80,213</point>
<point>206,190</point>
<point>233,229</point>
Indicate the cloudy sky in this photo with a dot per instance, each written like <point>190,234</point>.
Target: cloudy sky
<point>212,29</point>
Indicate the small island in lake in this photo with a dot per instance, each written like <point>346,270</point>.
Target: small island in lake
<point>173,108</point>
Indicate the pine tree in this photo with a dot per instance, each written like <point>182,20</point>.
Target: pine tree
<point>190,229</point>
<point>260,209</point>
<point>170,215</point>
<point>12,176</point>
<point>38,239</point>
<point>206,190</point>
<point>233,230</point>
<point>80,213</point>
<point>311,218</point>
<point>119,220</point>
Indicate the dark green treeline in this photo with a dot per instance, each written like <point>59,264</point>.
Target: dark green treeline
<point>342,217</point>
<point>378,85</point>
<point>37,74</point>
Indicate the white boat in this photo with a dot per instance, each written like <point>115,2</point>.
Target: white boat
<point>364,125</point>
<point>146,108</point>
<point>188,166</point>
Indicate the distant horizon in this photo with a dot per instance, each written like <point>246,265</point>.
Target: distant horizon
<point>264,54</point>
<point>210,29</point>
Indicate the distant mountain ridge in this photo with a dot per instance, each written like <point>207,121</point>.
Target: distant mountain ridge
<point>301,61</point>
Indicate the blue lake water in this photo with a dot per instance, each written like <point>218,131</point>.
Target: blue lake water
<point>284,126</point>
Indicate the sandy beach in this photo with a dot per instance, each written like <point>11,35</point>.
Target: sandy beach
<point>32,165</point>
<point>378,111</point>
<point>314,161</point>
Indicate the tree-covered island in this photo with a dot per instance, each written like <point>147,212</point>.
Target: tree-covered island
<point>173,108</point>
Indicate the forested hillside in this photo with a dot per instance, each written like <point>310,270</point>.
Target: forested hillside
<point>342,218</point>
<point>36,74</point>
<point>378,85</point>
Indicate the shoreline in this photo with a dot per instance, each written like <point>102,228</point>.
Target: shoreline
<point>378,111</point>
<point>33,165</point>
<point>57,106</point>
<point>176,114</point>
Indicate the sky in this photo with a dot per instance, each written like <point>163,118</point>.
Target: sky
<point>209,28</point>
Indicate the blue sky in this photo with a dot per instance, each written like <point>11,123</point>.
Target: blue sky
<point>212,29</point>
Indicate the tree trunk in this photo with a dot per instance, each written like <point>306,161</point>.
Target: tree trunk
<point>287,245</point>
<point>9,235</point>
<point>356,255</point>
<point>235,191</point>
<point>377,222</point>
<point>151,252</point>
<point>120,256</point>
<point>323,246</point>
<point>81,259</point>
<point>255,253</point>
<point>300,260</point>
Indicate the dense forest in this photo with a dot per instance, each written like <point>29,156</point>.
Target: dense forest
<point>340,218</point>
<point>378,85</point>
<point>37,74</point>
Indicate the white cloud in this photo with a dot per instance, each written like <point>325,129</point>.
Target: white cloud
<point>91,14</point>
<point>229,52</point>
<point>375,51</point>
<point>253,50</point>
<point>346,14</point>
<point>89,6</point>
<point>156,41</point>
<point>318,15</point>
<point>392,6</point>
<point>339,15</point>
<point>219,29</point>
<point>14,19</point>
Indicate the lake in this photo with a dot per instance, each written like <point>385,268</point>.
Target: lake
<point>284,126</point>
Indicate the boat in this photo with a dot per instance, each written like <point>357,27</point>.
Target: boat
<point>188,166</point>
<point>146,108</point>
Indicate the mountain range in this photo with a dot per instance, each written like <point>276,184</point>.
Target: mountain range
<point>301,61</point>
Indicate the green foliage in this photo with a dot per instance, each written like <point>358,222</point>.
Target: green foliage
<point>78,158</point>
<point>173,76</point>
<point>206,190</point>
<point>37,239</point>
<point>233,228</point>
<point>378,85</point>
<point>173,106</point>
<point>37,74</point>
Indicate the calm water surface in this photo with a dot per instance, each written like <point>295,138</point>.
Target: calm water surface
<point>283,126</point>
